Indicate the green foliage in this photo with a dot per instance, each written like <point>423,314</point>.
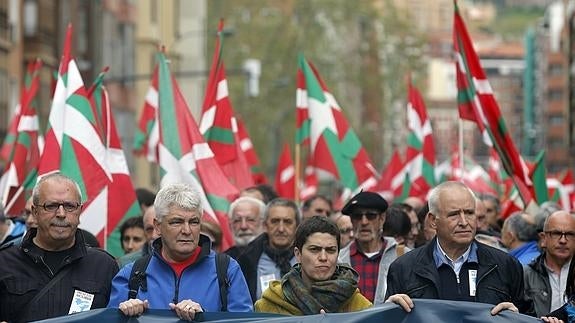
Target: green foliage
<point>511,23</point>
<point>362,54</point>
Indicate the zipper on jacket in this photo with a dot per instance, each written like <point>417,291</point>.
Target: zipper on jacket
<point>487,273</point>
<point>46,265</point>
<point>177,287</point>
<point>483,276</point>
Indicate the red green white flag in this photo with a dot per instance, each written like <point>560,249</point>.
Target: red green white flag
<point>219,125</point>
<point>322,126</point>
<point>18,178</point>
<point>247,147</point>
<point>185,157</point>
<point>470,173</point>
<point>420,152</point>
<point>122,201</point>
<point>477,103</point>
<point>74,143</point>
<point>392,178</point>
<point>285,174</point>
<point>147,134</point>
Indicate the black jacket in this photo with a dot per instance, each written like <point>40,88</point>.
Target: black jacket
<point>248,261</point>
<point>499,276</point>
<point>23,273</point>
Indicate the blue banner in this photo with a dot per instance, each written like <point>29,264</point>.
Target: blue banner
<point>425,311</point>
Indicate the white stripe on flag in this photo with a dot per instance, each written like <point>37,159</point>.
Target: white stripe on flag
<point>207,120</point>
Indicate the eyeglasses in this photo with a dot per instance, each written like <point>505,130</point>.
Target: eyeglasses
<point>54,206</point>
<point>370,215</point>
<point>557,235</point>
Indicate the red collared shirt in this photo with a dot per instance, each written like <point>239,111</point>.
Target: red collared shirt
<point>367,267</point>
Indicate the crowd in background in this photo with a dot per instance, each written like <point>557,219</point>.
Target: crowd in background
<point>288,258</point>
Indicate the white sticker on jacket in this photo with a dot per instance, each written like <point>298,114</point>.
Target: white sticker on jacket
<point>472,282</point>
<point>81,302</point>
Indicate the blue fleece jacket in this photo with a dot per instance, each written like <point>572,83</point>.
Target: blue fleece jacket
<point>198,282</point>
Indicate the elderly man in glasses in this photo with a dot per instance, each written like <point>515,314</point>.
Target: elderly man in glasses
<point>370,253</point>
<point>546,276</point>
<point>53,273</point>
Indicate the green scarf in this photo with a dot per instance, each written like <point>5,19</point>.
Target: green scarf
<point>328,295</point>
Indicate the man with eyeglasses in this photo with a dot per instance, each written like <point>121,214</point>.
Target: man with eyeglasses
<point>53,273</point>
<point>454,266</point>
<point>370,253</point>
<point>546,276</point>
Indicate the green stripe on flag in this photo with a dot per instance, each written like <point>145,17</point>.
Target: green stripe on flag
<point>218,203</point>
<point>69,166</point>
<point>414,142</point>
<point>303,132</point>
<point>168,121</point>
<point>221,135</point>
<point>540,179</point>
<point>428,173</point>
<point>24,139</point>
<point>81,103</point>
<point>344,165</point>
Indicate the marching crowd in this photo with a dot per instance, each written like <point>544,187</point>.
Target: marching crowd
<point>286,259</point>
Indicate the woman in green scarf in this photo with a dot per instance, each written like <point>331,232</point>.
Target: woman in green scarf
<point>316,284</point>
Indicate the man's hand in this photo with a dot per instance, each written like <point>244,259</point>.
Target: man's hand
<point>186,309</point>
<point>504,306</point>
<point>551,319</point>
<point>402,300</point>
<point>134,307</point>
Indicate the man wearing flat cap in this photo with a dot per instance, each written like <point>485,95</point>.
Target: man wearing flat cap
<point>370,253</point>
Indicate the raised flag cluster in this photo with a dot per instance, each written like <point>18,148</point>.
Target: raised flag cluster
<point>220,126</point>
<point>82,143</point>
<point>477,103</point>
<point>22,147</point>
<point>321,125</point>
<point>185,157</point>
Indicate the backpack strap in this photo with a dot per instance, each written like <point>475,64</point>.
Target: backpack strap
<point>222,263</point>
<point>137,279</point>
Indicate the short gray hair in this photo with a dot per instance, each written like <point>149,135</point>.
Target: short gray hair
<point>178,195</point>
<point>523,230</point>
<point>545,210</point>
<point>433,201</point>
<point>546,224</point>
<point>248,199</point>
<point>285,203</point>
<point>57,177</point>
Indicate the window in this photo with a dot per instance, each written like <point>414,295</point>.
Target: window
<point>555,95</point>
<point>555,69</point>
<point>556,119</point>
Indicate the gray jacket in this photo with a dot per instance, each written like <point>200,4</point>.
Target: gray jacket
<point>388,256</point>
<point>537,286</point>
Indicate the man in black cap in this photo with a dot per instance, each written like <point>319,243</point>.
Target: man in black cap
<point>370,254</point>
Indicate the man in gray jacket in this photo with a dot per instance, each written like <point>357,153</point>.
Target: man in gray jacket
<point>546,277</point>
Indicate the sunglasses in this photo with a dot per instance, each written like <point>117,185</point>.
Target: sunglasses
<point>370,215</point>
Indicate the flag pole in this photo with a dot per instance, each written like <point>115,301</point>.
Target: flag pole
<point>461,157</point>
<point>297,166</point>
